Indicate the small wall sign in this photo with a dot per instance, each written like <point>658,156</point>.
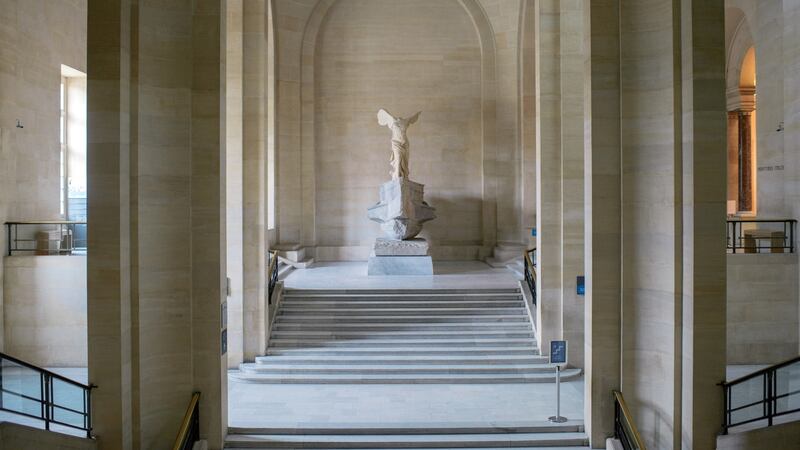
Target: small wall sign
<point>558,352</point>
<point>581,285</point>
<point>224,341</point>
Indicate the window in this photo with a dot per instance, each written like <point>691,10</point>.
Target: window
<point>62,136</point>
<point>72,139</point>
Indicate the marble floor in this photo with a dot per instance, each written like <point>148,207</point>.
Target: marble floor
<point>447,275</point>
<point>432,405</point>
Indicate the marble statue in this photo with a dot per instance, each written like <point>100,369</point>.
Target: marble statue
<point>400,145</point>
<point>401,211</point>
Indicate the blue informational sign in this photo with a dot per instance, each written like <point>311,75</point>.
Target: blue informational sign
<point>581,286</point>
<point>533,232</point>
<point>224,343</point>
<point>558,352</point>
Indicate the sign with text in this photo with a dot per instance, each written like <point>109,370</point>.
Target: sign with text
<point>558,352</point>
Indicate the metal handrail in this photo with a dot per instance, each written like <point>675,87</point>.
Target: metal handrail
<point>47,397</point>
<point>47,222</point>
<point>64,245</point>
<point>768,399</point>
<point>734,238</point>
<point>624,428</point>
<point>272,274</point>
<point>189,432</point>
<point>530,271</point>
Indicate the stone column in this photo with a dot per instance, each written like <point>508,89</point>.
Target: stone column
<point>109,264</point>
<point>156,198</point>
<point>548,173</point>
<point>233,179</point>
<point>208,245</point>
<point>572,177</point>
<point>791,90</point>
<point>602,215</point>
<point>704,194</point>
<point>254,177</point>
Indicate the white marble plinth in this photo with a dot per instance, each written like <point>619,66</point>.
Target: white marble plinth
<point>394,247</point>
<point>401,210</point>
<point>400,265</point>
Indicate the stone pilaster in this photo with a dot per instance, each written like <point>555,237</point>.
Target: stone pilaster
<point>548,173</point>
<point>602,217</point>
<point>572,178</point>
<point>109,266</point>
<point>254,144</point>
<point>704,193</point>
<point>156,199</point>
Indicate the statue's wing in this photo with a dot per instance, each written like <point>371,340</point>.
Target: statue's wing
<point>384,118</point>
<point>413,119</point>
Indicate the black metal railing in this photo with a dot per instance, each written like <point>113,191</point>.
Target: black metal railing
<point>189,433</point>
<point>46,237</point>
<point>624,428</point>
<point>272,274</point>
<point>763,396</point>
<point>755,235</point>
<point>38,393</point>
<point>530,272</point>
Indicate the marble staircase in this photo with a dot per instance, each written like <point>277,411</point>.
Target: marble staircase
<point>402,336</point>
<point>538,435</point>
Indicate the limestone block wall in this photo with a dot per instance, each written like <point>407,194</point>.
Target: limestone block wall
<point>671,248</point>
<point>44,314</point>
<point>37,36</point>
<point>405,57</point>
<point>156,261</point>
<point>458,61</point>
<point>762,308</point>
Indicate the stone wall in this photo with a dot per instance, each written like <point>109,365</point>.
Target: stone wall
<point>462,69</point>
<point>762,308</point>
<point>37,37</point>
<point>44,317</point>
<point>20,437</point>
<point>405,57</point>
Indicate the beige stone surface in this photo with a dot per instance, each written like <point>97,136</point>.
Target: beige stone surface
<point>436,70</point>
<point>234,182</point>
<point>156,267</point>
<point>310,210</point>
<point>602,206</point>
<point>36,36</point>
<point>780,436</point>
<point>20,437</point>
<point>548,172</point>
<point>44,311</point>
<point>762,310</point>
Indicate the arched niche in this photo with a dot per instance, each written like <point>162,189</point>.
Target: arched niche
<point>741,100</point>
<point>477,209</point>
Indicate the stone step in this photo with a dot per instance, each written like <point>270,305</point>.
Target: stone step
<point>385,441</point>
<point>326,303</point>
<point>332,360</point>
<point>462,319</point>
<point>388,293</point>
<point>423,298</point>
<point>344,335</point>
<point>418,428</point>
<point>417,369</point>
<point>569,447</point>
<point>410,378</point>
<point>286,310</point>
<point>389,326</point>
<point>400,343</point>
<point>381,351</point>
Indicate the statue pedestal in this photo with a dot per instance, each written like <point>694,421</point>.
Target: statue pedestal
<point>401,210</point>
<point>396,257</point>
